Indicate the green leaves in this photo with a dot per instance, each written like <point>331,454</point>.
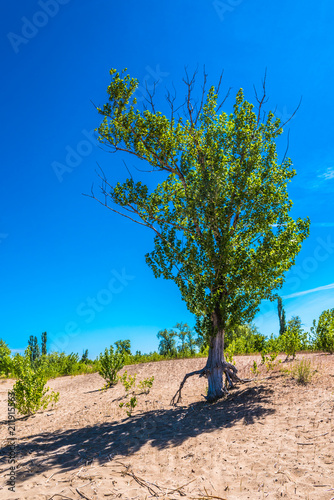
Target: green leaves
<point>221,219</point>
<point>110,363</point>
<point>31,393</point>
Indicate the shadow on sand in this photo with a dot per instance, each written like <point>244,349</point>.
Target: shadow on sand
<point>166,428</point>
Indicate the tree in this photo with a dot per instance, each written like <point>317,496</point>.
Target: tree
<point>186,337</point>
<point>221,219</point>
<point>84,357</point>
<point>281,316</point>
<point>182,335</point>
<point>293,338</point>
<point>123,346</point>
<point>167,346</point>
<point>44,340</point>
<point>246,338</point>
<point>323,331</point>
<point>33,352</point>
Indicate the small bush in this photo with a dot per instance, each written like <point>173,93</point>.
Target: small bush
<point>30,392</point>
<point>269,361</point>
<point>110,363</point>
<point>130,405</point>
<point>255,369</point>
<point>128,381</point>
<point>302,372</point>
<point>146,385</point>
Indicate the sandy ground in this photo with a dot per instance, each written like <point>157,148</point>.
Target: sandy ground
<point>271,438</point>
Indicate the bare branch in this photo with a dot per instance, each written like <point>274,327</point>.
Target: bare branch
<point>190,86</point>
<point>128,170</point>
<point>223,101</point>
<point>151,95</point>
<point>205,76</point>
<point>263,100</point>
<point>287,147</point>
<point>293,114</point>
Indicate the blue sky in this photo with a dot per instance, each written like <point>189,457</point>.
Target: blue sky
<point>72,268</point>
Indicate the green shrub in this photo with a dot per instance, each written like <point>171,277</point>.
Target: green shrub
<point>110,363</point>
<point>323,332</point>
<point>293,339</point>
<point>255,369</point>
<point>273,344</point>
<point>303,372</point>
<point>130,405</point>
<point>229,352</point>
<point>6,364</point>
<point>269,361</point>
<point>128,381</point>
<point>146,385</point>
<point>30,391</point>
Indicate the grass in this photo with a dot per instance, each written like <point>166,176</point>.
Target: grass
<point>302,372</point>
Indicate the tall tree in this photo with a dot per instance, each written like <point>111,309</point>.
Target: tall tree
<point>221,219</point>
<point>281,316</point>
<point>34,348</point>
<point>44,340</point>
<point>167,346</point>
<point>84,357</point>
<point>123,346</point>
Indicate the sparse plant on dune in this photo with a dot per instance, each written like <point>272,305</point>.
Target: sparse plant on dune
<point>129,383</point>
<point>255,369</point>
<point>110,363</point>
<point>31,393</point>
<point>303,372</point>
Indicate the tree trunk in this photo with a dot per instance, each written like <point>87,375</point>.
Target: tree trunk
<point>216,365</point>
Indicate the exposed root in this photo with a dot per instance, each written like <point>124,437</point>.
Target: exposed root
<point>177,395</point>
<point>231,376</point>
<point>230,372</point>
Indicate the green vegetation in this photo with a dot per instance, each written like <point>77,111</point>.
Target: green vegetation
<point>323,332</point>
<point>6,364</point>
<point>110,363</point>
<point>36,366</point>
<point>129,383</point>
<point>302,371</point>
<point>221,218</point>
<point>30,391</point>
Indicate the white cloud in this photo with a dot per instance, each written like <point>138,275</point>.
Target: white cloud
<point>311,290</point>
<point>329,174</point>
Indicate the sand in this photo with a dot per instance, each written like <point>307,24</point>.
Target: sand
<point>270,439</point>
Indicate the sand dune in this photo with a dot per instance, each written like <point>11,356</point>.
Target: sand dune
<point>271,438</point>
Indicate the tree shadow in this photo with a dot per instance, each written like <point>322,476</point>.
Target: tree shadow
<point>163,429</point>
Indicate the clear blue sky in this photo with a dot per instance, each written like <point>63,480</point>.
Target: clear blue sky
<point>68,265</point>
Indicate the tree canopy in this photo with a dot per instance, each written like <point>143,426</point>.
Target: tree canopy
<point>221,219</point>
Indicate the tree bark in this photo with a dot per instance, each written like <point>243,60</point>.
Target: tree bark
<point>216,366</point>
